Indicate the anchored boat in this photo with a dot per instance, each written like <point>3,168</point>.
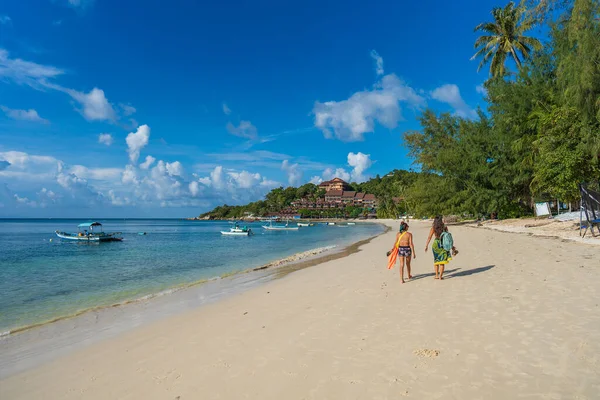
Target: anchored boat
<point>237,231</point>
<point>91,232</point>
<point>285,227</point>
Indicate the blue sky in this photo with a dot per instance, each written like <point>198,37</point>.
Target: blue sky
<point>148,108</point>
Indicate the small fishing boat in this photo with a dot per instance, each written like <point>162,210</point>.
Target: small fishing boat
<point>285,227</point>
<point>237,231</point>
<point>351,223</point>
<point>234,233</point>
<point>303,224</point>
<point>90,232</point>
<point>331,223</point>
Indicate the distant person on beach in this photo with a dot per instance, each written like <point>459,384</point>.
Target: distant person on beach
<point>441,256</point>
<point>405,248</point>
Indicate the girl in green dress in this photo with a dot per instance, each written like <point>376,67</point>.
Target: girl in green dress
<point>441,257</point>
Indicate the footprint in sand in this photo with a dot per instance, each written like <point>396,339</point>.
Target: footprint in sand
<point>426,353</point>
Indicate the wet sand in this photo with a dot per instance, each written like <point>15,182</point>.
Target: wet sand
<point>517,317</point>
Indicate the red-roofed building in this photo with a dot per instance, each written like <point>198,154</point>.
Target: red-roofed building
<point>334,184</point>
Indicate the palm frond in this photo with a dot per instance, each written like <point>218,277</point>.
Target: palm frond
<point>530,42</point>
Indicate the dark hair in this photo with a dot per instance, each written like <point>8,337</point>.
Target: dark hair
<point>403,226</point>
<point>438,226</point>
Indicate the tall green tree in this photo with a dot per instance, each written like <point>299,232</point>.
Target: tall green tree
<point>505,38</point>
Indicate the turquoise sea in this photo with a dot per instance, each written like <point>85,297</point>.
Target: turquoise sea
<point>43,278</point>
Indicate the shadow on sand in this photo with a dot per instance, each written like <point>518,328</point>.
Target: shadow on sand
<point>421,276</point>
<point>451,273</point>
<point>468,272</point>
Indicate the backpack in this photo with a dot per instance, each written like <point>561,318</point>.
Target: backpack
<point>447,241</point>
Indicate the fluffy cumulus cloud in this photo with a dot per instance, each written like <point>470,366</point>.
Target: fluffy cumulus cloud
<point>378,62</point>
<point>481,90</point>
<point>24,115</point>
<point>136,141</point>
<point>105,138</point>
<point>194,188</point>
<point>174,168</point>
<point>226,109</point>
<point>148,162</point>
<point>360,163</point>
<point>294,174</point>
<point>245,129</point>
<point>94,105</point>
<point>50,182</point>
<point>348,120</point>
<point>316,180</point>
<point>331,173</point>
<point>236,186</point>
<point>450,94</point>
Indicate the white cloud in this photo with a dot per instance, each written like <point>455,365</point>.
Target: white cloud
<point>24,115</point>
<point>95,106</point>
<point>226,110</point>
<point>341,173</point>
<point>129,176</point>
<point>293,173</point>
<point>137,141</point>
<point>481,90</point>
<point>174,168</point>
<point>95,173</point>
<point>378,62</point>
<point>245,179</point>
<point>105,138</point>
<point>316,180</point>
<point>348,120</point>
<point>360,163</point>
<point>25,72</point>
<point>149,161</point>
<point>194,188</point>
<point>450,94</point>
<point>245,129</point>
<point>5,20</point>
<point>127,109</point>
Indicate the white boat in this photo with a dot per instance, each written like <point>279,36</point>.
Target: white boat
<point>303,224</point>
<point>233,233</point>
<point>351,223</point>
<point>285,227</point>
<point>331,223</point>
<point>237,231</point>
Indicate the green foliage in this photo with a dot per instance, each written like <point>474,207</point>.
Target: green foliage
<point>504,38</point>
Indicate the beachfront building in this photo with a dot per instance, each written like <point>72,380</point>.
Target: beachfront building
<point>336,184</point>
<point>337,199</point>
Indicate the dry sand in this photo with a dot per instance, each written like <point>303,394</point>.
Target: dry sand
<point>517,317</point>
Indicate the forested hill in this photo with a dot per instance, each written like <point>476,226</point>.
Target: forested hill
<point>385,189</point>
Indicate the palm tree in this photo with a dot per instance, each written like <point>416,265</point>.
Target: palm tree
<point>505,37</point>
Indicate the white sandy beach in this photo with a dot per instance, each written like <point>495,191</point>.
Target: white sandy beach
<point>517,317</point>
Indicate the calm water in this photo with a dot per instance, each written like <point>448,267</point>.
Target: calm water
<point>42,277</point>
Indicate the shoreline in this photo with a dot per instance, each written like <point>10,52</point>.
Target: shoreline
<point>513,324</point>
<point>233,283</point>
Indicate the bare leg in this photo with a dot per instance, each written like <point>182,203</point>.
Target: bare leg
<point>437,268</point>
<point>408,267</point>
<point>442,271</point>
<point>402,269</point>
